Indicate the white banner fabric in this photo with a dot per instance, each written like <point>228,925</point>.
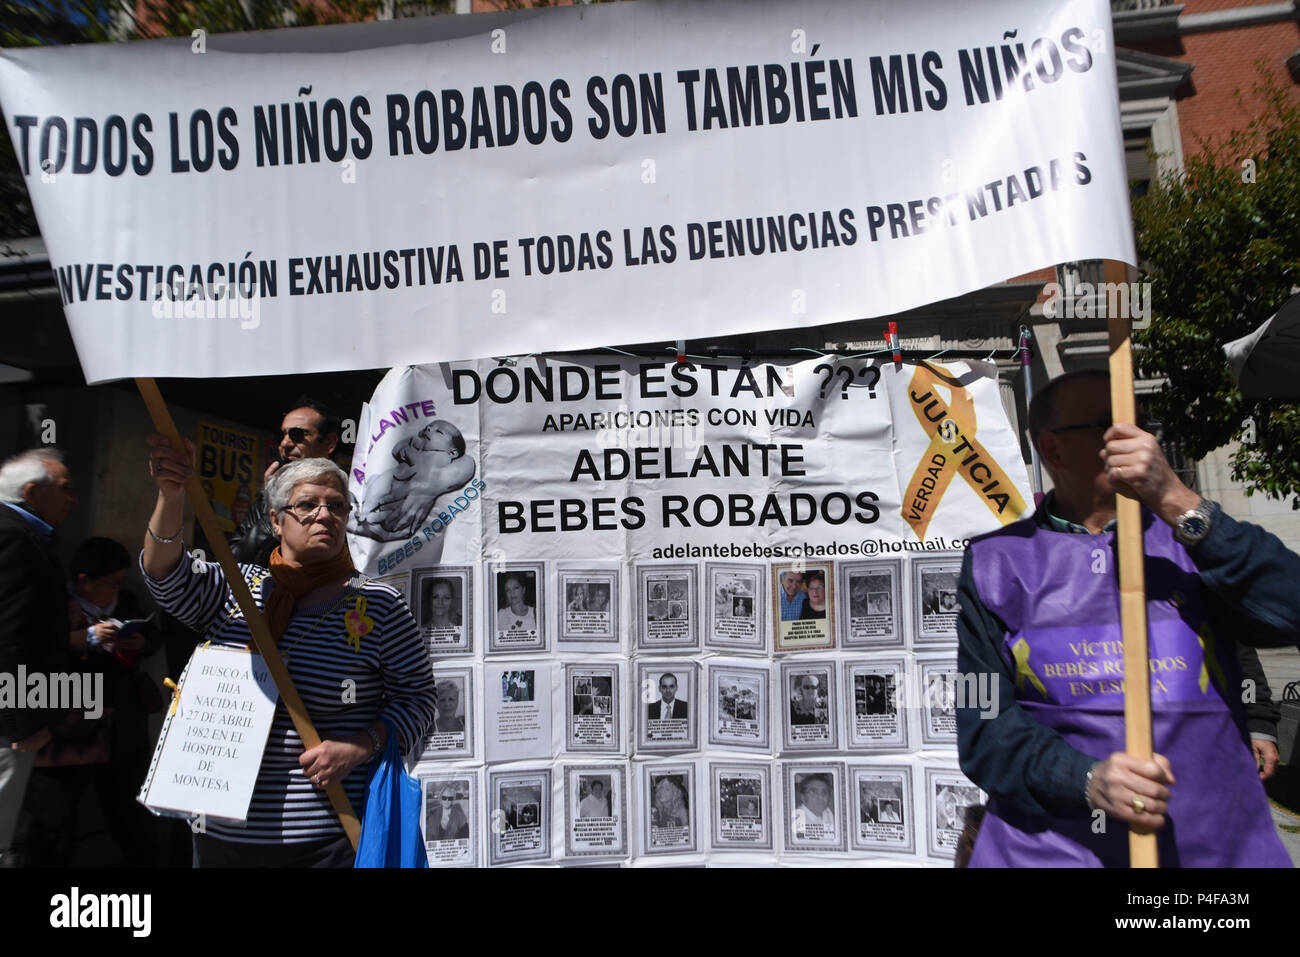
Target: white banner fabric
<point>419,191</point>
<point>618,458</point>
<point>740,575</point>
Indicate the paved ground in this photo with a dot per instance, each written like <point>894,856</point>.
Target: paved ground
<point>1281,666</point>
<point>1285,821</point>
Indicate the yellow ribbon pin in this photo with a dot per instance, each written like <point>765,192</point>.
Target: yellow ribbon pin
<point>358,623</point>
<point>1020,651</point>
<point>1205,638</point>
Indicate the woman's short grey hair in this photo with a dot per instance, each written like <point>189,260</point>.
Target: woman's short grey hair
<point>281,485</point>
<point>23,469</point>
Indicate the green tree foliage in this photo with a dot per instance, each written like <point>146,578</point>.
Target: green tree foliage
<point>1222,254</point>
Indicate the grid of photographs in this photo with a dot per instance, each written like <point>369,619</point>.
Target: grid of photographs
<point>774,708</point>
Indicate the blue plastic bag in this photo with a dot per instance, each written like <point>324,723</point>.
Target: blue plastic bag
<point>390,829</point>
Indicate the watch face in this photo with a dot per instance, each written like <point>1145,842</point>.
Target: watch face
<point>1193,526</point>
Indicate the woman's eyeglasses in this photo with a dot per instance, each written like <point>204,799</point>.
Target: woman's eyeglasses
<point>306,511</point>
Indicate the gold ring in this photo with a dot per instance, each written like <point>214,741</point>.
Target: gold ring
<point>1138,806</point>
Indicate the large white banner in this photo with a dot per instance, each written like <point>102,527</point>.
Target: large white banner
<point>575,456</point>
<point>419,191</point>
<point>687,610</point>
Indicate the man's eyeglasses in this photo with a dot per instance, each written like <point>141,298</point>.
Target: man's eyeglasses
<point>296,434</point>
<point>1102,424</point>
<point>306,511</point>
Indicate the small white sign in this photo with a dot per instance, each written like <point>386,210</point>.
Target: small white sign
<point>211,745</point>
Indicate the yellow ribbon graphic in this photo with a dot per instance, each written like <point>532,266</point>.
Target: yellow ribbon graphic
<point>953,450</point>
<point>1020,651</point>
<point>1205,638</point>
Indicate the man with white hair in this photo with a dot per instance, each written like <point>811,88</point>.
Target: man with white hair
<point>36,495</point>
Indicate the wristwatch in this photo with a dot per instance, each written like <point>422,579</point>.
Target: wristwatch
<point>1194,524</point>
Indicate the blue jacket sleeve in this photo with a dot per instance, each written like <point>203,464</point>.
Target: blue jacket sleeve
<point>1253,581</point>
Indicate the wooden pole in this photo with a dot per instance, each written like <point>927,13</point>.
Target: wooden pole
<point>1132,583</point>
<point>262,640</point>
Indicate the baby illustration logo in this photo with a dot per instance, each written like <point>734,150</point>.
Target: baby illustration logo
<point>428,465</point>
<point>953,450</point>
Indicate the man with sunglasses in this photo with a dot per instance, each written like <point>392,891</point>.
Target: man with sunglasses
<point>309,430</point>
<point>1040,612</point>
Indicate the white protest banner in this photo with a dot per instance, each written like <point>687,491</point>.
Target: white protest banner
<point>210,749</point>
<point>725,560</point>
<point>591,457</point>
<point>418,191</point>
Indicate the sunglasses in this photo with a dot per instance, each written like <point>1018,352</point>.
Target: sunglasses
<point>296,434</point>
<point>1102,424</point>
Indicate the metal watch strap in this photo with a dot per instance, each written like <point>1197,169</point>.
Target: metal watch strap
<point>1194,524</point>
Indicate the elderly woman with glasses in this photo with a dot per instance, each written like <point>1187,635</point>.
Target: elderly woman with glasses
<point>338,632</point>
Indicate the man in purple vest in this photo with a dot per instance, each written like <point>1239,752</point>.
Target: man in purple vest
<point>1040,613</point>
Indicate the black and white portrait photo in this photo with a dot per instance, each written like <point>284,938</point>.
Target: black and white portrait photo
<point>668,806</point>
<point>593,796</point>
<point>938,706</point>
<point>815,798</point>
<point>666,607</point>
<point>809,706</point>
<point>451,734</point>
<point>882,809</point>
<point>592,722</point>
<point>870,607</point>
<point>451,818</point>
<point>736,607</point>
<point>874,692</point>
<point>948,793</point>
<point>667,719</point>
<point>738,706</point>
<point>934,598</point>
<point>595,802</point>
<point>518,611</point>
<point>520,816</point>
<point>589,606</point>
<point>444,608</point>
<point>742,800</point>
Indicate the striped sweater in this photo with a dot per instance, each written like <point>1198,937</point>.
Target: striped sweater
<point>392,675</point>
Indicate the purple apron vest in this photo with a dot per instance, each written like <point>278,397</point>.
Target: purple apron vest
<point>1058,595</point>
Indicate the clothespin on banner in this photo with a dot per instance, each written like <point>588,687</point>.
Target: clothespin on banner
<point>891,340</point>
<point>681,351</point>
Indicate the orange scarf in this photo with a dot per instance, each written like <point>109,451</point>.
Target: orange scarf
<point>294,581</point>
